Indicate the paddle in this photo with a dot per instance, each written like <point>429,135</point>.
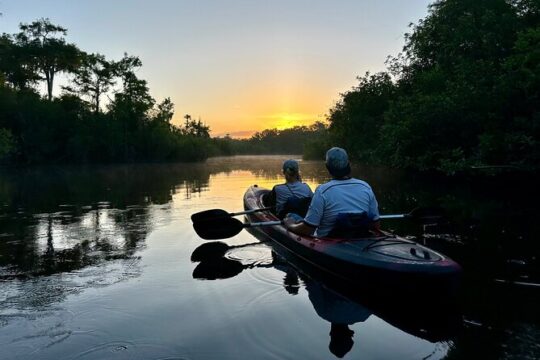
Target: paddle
<point>426,215</point>
<point>226,227</point>
<point>219,213</point>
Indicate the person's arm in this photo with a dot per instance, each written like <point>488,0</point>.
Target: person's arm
<point>311,221</point>
<point>300,228</point>
<point>374,214</point>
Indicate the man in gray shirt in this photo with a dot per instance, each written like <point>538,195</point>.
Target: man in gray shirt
<point>341,195</point>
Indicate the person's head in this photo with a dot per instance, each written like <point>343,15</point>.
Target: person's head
<point>341,340</point>
<point>291,170</point>
<point>337,162</point>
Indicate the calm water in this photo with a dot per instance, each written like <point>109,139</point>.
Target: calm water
<point>102,263</point>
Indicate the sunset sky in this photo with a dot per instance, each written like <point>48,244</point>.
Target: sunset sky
<point>241,66</point>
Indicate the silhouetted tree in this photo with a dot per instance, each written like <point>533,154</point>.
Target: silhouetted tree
<point>93,78</point>
<point>16,64</point>
<point>47,45</point>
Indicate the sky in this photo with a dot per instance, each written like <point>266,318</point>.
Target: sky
<point>241,66</point>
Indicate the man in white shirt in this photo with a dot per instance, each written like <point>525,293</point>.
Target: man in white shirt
<point>341,195</point>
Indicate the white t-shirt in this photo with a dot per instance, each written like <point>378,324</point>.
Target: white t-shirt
<point>338,197</point>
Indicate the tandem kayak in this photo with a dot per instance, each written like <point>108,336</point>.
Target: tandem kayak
<point>384,261</point>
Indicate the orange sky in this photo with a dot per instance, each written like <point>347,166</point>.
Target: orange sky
<point>239,65</point>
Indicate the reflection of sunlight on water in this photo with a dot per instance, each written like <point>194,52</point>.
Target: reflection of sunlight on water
<point>227,189</point>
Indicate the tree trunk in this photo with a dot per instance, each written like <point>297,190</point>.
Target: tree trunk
<point>49,75</point>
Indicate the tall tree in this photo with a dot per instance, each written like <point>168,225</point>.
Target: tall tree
<point>16,65</point>
<point>94,78</point>
<point>49,49</point>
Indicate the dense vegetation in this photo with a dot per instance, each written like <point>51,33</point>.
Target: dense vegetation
<point>464,92</point>
<point>105,113</point>
<point>77,126</point>
<point>295,140</point>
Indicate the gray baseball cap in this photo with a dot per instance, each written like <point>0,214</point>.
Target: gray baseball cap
<point>290,166</point>
<point>337,161</point>
<point>337,158</point>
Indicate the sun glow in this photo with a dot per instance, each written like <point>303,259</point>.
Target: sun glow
<point>286,120</point>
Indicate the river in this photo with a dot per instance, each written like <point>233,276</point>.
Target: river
<point>101,262</point>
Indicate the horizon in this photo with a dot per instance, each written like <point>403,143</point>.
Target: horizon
<point>240,67</point>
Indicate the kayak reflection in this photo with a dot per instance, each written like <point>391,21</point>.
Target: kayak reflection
<point>332,300</point>
<point>339,311</point>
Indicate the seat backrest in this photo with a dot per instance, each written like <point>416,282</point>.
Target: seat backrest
<point>350,225</point>
<point>297,205</point>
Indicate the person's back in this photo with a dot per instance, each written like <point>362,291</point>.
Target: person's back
<point>286,192</point>
<point>293,195</point>
<point>347,196</point>
<point>342,205</point>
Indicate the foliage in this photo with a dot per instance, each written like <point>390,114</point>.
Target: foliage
<point>272,141</point>
<point>46,46</point>
<point>464,91</point>
<point>76,126</point>
<point>6,143</point>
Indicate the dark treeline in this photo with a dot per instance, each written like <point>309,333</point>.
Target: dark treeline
<point>464,92</point>
<point>295,140</point>
<point>104,114</point>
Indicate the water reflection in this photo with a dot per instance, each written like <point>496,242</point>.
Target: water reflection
<point>95,263</point>
<point>332,300</point>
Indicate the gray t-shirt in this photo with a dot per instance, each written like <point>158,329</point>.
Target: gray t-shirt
<point>340,196</point>
<point>285,191</point>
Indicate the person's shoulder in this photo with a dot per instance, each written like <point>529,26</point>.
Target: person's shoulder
<point>303,184</point>
<point>361,182</point>
<point>326,185</point>
<point>278,187</point>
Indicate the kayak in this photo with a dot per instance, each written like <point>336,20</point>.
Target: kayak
<point>383,260</point>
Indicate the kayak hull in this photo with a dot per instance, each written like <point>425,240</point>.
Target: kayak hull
<point>385,263</point>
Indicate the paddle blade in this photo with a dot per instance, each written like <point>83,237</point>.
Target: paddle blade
<point>217,269</point>
<point>209,251</point>
<point>209,215</point>
<point>218,229</point>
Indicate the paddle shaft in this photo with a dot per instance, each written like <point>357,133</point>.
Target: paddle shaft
<point>263,223</point>
<point>249,211</point>
<point>395,216</point>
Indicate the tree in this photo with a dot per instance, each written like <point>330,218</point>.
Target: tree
<point>6,142</point>
<point>164,111</point>
<point>195,127</point>
<point>93,78</point>
<point>16,66</point>
<point>47,46</point>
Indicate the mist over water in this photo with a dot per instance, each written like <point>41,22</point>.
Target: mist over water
<point>102,262</point>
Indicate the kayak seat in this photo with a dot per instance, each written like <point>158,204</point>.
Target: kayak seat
<point>351,225</point>
<point>295,205</point>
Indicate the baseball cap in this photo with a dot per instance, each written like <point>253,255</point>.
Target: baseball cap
<point>337,161</point>
<point>290,166</point>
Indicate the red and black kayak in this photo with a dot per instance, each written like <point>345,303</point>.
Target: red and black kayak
<point>384,261</point>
